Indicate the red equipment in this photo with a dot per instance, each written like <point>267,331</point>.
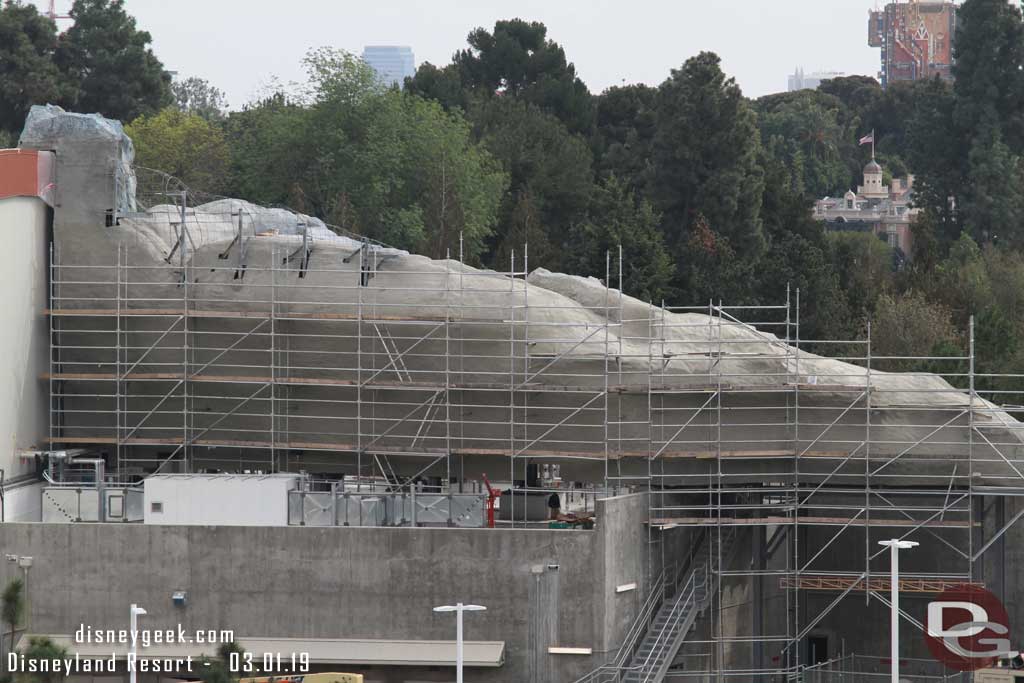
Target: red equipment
<point>492,496</point>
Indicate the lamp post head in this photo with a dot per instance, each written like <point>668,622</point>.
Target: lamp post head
<point>900,544</point>
<point>460,608</point>
<point>138,611</point>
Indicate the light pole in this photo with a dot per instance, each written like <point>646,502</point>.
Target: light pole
<point>458,608</point>
<point>25,562</point>
<point>895,545</point>
<point>134,635</point>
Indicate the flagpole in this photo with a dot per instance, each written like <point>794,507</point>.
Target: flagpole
<point>872,144</point>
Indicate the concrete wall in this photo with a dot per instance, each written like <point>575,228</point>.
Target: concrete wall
<point>624,549</point>
<point>541,587</point>
<point>23,344</point>
<point>316,583</point>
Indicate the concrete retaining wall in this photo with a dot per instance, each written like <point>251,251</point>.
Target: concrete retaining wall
<point>349,583</point>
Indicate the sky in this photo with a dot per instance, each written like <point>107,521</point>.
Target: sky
<point>240,45</point>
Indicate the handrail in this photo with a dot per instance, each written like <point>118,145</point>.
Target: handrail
<point>695,567</point>
<point>655,596</point>
<point>639,627</point>
<point>685,599</point>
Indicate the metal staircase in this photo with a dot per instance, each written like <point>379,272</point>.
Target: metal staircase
<point>684,598</point>
<point>678,614</point>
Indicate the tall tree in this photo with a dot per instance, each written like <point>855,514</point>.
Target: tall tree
<point>803,130</point>
<point>196,96</point>
<point>12,607</point>
<point>110,64</point>
<point>517,59</point>
<point>550,172</point>
<point>185,145</point>
<point>989,70</point>
<point>618,219</point>
<point>27,73</point>
<point>623,139</point>
<point>705,157</point>
<point>937,155</point>
<point>380,162</point>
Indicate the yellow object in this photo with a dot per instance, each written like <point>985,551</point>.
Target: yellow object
<point>307,678</point>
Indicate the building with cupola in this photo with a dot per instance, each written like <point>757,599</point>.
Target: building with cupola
<point>884,210</point>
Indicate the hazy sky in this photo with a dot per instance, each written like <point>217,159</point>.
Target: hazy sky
<point>239,44</point>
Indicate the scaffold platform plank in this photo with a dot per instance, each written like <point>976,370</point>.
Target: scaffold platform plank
<point>668,522</point>
<point>881,584</point>
<point>421,386</point>
<point>266,315</point>
<point>419,451</point>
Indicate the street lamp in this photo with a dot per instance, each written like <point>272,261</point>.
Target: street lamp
<point>895,545</point>
<point>25,563</point>
<point>136,613</point>
<point>458,608</point>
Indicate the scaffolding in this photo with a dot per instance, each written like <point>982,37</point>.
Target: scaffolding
<point>279,354</point>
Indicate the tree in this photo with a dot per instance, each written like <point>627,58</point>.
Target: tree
<point>196,96</point>
<point>12,607</point>
<point>992,206</point>
<point>42,649</point>
<point>270,144</point>
<point>989,85</point>
<point>803,130</point>
<point>705,158</point>
<point>798,256</point>
<point>516,60</point>
<point>623,139</point>
<point>864,265</point>
<point>377,161</point>
<point>962,281</point>
<point>27,73</point>
<point>910,325</point>
<point>109,63</point>
<point>618,219</point>
<point>218,669</point>
<point>185,145</point>
<point>550,173</point>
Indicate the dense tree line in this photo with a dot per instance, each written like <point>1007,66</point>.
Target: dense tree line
<point>708,192</point>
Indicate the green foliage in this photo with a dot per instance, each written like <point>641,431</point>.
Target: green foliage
<point>989,86</point>
<point>518,60</point>
<point>705,159</point>
<point>863,264</point>
<point>28,74</point>
<point>802,129</point>
<point>12,607</point>
<point>551,178</point>
<point>993,197</point>
<point>185,145</point>
<point>372,160</point>
<point>618,219</point>
<point>623,137</point>
<point>268,143</point>
<point>218,669</point>
<point>109,64</point>
<point>196,96</point>
<point>909,325</point>
<point>42,648</point>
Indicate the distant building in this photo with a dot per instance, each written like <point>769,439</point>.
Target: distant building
<point>916,40</point>
<point>875,207</point>
<point>393,63</point>
<point>801,81</point>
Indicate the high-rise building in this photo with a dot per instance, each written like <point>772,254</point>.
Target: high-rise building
<point>798,80</point>
<point>916,39</point>
<point>393,63</point>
